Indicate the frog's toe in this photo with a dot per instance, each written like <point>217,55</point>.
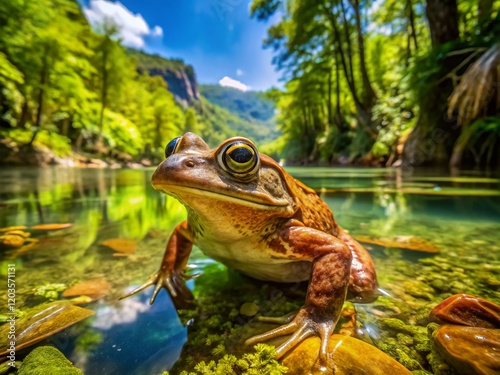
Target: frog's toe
<point>286,329</point>
<point>277,319</point>
<point>151,281</point>
<point>300,335</point>
<point>301,327</point>
<point>173,282</point>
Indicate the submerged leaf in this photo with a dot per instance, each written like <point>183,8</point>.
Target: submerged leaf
<point>41,322</point>
<point>10,229</point>
<point>95,289</point>
<point>51,226</point>
<point>401,242</point>
<point>121,245</point>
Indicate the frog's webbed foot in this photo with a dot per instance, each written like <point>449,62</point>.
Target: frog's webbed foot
<point>302,326</point>
<point>171,280</point>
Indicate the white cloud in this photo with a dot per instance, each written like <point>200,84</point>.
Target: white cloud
<point>132,27</point>
<point>157,31</point>
<point>229,82</point>
<point>239,72</point>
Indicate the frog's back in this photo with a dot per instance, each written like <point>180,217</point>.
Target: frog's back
<point>312,211</point>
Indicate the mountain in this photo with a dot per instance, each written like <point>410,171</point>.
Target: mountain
<point>250,105</point>
<point>222,112</point>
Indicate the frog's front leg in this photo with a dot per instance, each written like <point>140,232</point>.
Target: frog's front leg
<point>326,291</point>
<point>171,274</point>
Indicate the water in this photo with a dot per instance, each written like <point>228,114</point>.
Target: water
<point>460,215</point>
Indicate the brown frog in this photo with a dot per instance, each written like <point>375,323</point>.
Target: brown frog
<point>245,211</point>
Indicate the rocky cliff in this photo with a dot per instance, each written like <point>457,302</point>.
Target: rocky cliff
<point>180,77</point>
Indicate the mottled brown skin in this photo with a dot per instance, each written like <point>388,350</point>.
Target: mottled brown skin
<point>267,225</point>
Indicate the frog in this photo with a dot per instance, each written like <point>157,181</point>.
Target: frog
<point>245,211</point>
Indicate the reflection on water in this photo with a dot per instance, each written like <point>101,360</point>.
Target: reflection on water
<point>132,337</point>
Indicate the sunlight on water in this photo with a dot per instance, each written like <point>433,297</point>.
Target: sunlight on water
<point>132,337</point>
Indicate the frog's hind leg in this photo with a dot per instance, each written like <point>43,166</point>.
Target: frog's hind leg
<point>326,292</point>
<point>363,285</point>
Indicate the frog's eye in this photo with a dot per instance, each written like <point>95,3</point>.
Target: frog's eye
<point>239,158</point>
<point>172,146</point>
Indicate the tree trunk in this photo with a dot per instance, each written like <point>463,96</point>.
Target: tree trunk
<point>443,21</point>
<point>484,11</point>
<point>41,97</point>
<point>432,140</point>
<point>411,21</point>
<point>329,100</point>
<point>347,35</point>
<point>104,88</point>
<point>369,96</point>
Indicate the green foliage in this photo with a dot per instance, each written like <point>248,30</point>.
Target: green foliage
<point>481,137</point>
<point>64,86</point>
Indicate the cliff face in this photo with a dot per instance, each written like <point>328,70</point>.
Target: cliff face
<point>180,77</point>
<point>180,83</point>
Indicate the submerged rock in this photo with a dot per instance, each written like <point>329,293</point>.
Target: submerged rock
<point>47,360</point>
<point>470,350</point>
<point>464,309</point>
<point>349,356</point>
<point>43,321</point>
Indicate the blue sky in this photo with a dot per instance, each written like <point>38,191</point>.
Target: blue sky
<point>217,37</point>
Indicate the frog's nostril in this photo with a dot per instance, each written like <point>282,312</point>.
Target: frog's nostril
<point>189,164</point>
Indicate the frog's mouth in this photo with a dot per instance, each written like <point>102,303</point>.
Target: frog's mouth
<point>256,200</point>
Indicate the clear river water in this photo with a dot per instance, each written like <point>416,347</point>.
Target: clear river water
<point>459,215</point>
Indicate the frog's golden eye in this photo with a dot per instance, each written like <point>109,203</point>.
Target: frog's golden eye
<point>239,158</point>
<point>172,146</point>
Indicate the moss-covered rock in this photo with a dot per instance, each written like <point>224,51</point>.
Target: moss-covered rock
<point>47,360</point>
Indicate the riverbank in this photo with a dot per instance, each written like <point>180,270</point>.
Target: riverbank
<point>15,155</point>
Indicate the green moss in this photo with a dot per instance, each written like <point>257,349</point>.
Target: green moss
<point>50,291</point>
<point>262,362</point>
<point>407,361</point>
<point>47,360</point>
